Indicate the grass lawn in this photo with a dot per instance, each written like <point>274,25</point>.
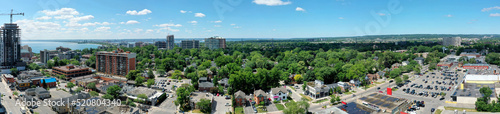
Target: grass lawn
<point>239,110</point>
<point>379,82</point>
<point>259,110</point>
<point>280,106</point>
<point>288,103</point>
<point>350,92</point>
<point>438,111</point>
<point>320,101</point>
<point>460,109</point>
<point>307,97</point>
<point>197,111</point>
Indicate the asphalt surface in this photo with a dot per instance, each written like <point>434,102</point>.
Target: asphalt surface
<point>9,104</point>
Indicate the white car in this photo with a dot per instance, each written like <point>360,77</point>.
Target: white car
<point>227,104</point>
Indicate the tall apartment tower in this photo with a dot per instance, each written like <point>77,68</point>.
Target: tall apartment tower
<point>115,62</point>
<point>10,46</point>
<point>188,44</point>
<point>452,41</point>
<point>215,42</point>
<point>170,42</point>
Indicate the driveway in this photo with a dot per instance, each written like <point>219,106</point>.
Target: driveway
<point>249,110</point>
<point>271,108</point>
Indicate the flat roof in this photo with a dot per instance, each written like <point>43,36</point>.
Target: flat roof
<point>382,100</point>
<point>472,90</point>
<point>73,68</point>
<point>490,71</point>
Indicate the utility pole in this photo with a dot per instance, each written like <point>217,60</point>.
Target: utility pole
<point>11,13</point>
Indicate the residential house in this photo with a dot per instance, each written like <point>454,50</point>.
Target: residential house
<point>260,96</point>
<point>380,74</point>
<point>372,77</point>
<point>205,86</point>
<point>278,93</point>
<point>404,63</point>
<point>239,98</point>
<point>355,83</point>
<point>395,65</point>
<point>420,60</point>
<point>203,79</point>
<point>224,82</point>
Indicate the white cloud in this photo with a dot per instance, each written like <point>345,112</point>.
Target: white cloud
<point>130,22</point>
<point>138,30</point>
<point>490,8</point>
<point>44,18</point>
<point>341,17</point>
<point>449,15</point>
<point>143,12</point>
<point>168,25</point>
<point>182,11</point>
<point>62,11</point>
<point>102,29</point>
<point>84,29</point>
<point>149,31</point>
<point>299,9</point>
<point>83,18</point>
<point>64,17</point>
<point>193,22</point>
<point>271,2</point>
<point>233,24</point>
<point>237,27</point>
<point>381,14</point>
<point>495,15</point>
<point>217,26</point>
<point>199,15</point>
<point>218,21</point>
<point>75,24</point>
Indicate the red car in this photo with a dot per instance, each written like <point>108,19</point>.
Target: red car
<point>380,92</point>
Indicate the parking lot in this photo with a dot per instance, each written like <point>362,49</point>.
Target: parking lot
<point>221,104</point>
<point>168,84</point>
<point>429,87</point>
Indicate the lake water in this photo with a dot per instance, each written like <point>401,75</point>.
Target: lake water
<point>36,46</point>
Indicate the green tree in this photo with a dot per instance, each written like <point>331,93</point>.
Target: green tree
<point>205,105</point>
<point>139,81</point>
<point>114,91</point>
<point>142,97</point>
<point>14,72</point>
<point>150,74</point>
<point>398,80</point>
<point>79,89</point>
<point>182,100</point>
<point>150,82</point>
<point>108,96</point>
<point>91,85</point>
<point>70,85</point>
<point>93,94</point>
<point>405,77</point>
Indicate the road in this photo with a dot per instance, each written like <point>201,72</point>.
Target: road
<point>9,104</point>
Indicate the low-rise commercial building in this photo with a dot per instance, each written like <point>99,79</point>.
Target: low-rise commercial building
<point>196,97</point>
<point>476,66</point>
<point>71,70</point>
<point>8,78</point>
<point>205,86</point>
<point>152,95</point>
<point>384,103</point>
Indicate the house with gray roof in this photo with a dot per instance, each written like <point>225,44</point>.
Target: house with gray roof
<point>278,93</point>
<point>240,98</point>
<point>205,86</point>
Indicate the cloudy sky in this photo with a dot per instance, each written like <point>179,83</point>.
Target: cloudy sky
<point>120,19</point>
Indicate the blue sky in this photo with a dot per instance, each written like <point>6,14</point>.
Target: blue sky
<point>120,19</point>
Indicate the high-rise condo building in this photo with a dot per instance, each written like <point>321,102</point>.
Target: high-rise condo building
<point>215,42</point>
<point>10,46</point>
<point>188,44</point>
<point>170,42</point>
<point>115,62</point>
